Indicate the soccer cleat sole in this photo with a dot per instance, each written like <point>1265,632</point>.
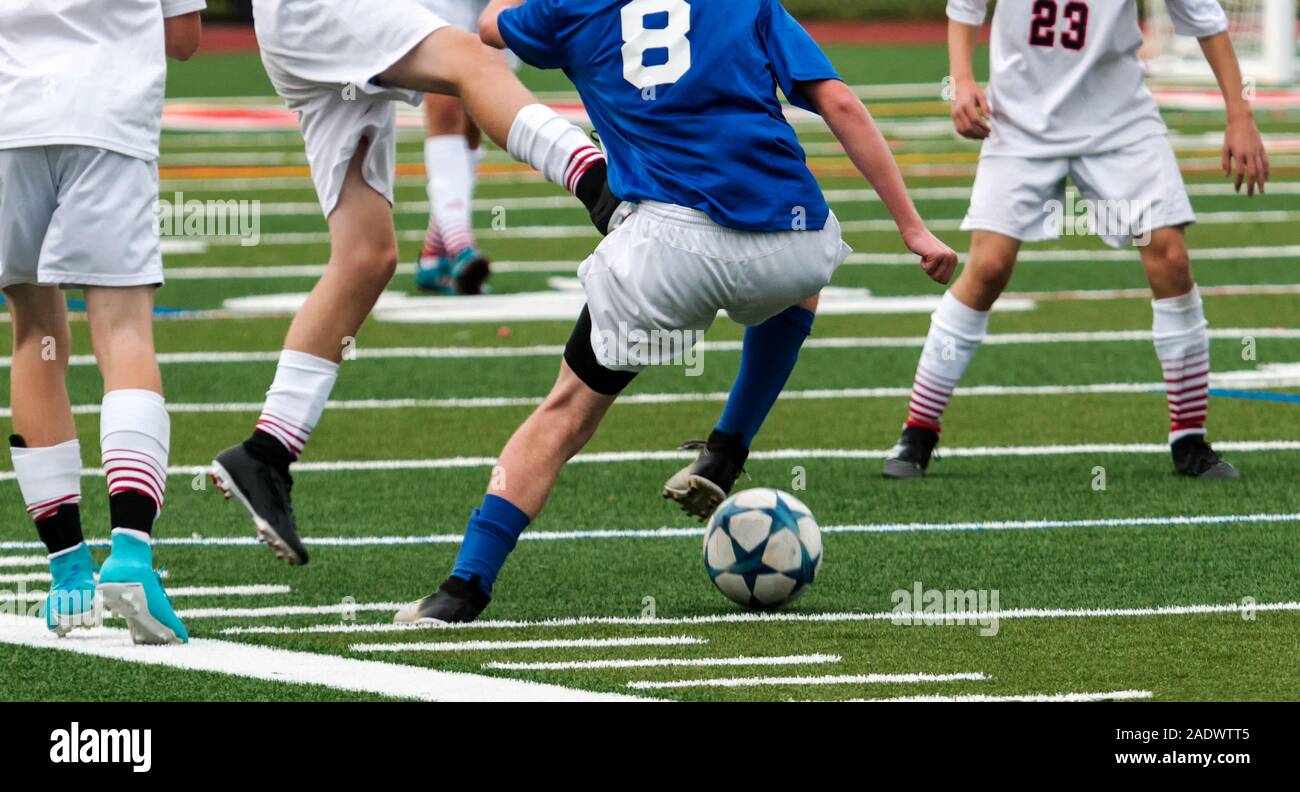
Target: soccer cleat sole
<point>265,533</point>
<point>66,623</point>
<point>1220,472</point>
<point>128,601</point>
<point>899,470</point>
<point>410,615</point>
<point>700,498</point>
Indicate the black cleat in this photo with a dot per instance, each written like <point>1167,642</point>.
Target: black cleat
<point>1193,457</point>
<point>593,190</point>
<point>700,486</point>
<point>264,488</point>
<point>457,601</point>
<point>910,458</point>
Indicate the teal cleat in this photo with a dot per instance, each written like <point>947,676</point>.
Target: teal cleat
<point>434,275</point>
<point>132,590</point>
<point>71,601</point>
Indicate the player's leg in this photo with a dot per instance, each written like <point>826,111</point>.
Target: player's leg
<point>768,356</point>
<point>135,440</point>
<point>522,480</point>
<point>778,278</point>
<point>1141,191</point>
<point>957,328</point>
<point>451,61</point>
<point>363,258</point>
<point>450,261</point>
<point>1010,204</point>
<point>45,451</point>
<point>1182,340</point>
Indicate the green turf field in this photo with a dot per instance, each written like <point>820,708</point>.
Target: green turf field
<point>1107,576</point>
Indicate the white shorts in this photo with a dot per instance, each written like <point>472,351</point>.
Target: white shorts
<point>669,270</point>
<point>78,216</point>
<point>1125,193</point>
<point>323,57</point>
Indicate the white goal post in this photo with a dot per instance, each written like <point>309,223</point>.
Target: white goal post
<point>1263,31</point>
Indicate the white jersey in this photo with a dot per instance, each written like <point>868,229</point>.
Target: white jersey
<point>1065,77</point>
<point>85,73</point>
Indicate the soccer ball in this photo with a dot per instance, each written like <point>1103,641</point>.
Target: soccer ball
<point>762,548</point>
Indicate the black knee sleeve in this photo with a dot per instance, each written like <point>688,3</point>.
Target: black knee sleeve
<point>582,359</point>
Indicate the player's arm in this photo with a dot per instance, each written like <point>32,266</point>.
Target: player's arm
<point>1243,147</point>
<point>853,126</point>
<point>487,23</point>
<point>970,108</point>
<point>183,34</point>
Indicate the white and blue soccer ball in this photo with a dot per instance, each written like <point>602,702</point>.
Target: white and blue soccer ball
<point>762,548</point>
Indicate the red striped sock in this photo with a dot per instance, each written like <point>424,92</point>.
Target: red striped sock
<point>1182,341</point>
<point>433,246</point>
<point>134,438</point>
<point>956,331</point>
<point>579,164</point>
<point>291,434</point>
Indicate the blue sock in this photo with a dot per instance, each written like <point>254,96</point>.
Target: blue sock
<point>770,352</point>
<point>493,530</point>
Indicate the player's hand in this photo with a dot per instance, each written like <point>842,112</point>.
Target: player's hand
<point>970,111</point>
<point>937,259</point>
<point>1243,150</point>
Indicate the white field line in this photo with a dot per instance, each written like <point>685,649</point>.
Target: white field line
<point>835,197</point>
<point>25,577</point>
<point>669,662</point>
<point>1262,381</point>
<point>612,457</point>
<point>1045,698</point>
<point>548,351</point>
<point>851,679</point>
<point>485,646</point>
<point>260,590</point>
<point>588,232</point>
<point>313,271</point>
<point>24,561</point>
<point>302,668</point>
<point>746,617</point>
<point>680,533</point>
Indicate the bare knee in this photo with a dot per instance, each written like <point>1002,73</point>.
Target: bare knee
<point>372,262</point>
<point>1168,264</point>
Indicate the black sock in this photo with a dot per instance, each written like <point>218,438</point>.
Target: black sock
<point>593,190</point>
<point>61,530</point>
<point>132,510</point>
<point>732,446</point>
<point>269,450</point>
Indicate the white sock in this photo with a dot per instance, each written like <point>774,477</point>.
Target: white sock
<point>448,162</point>
<point>475,159</point>
<point>134,440</point>
<point>1182,339</point>
<point>956,331</point>
<point>297,398</point>
<point>48,477</point>
<point>540,137</point>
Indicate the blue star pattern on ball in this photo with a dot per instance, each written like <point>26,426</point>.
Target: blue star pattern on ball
<point>762,548</point>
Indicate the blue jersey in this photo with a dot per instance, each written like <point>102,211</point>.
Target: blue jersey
<point>683,95</point>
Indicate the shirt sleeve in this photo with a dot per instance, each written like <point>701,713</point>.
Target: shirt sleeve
<point>1199,18</point>
<point>175,8</point>
<point>532,31</point>
<point>968,12</point>
<point>794,56</point>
